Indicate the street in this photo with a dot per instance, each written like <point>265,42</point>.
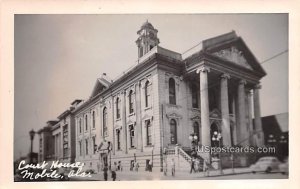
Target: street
<point>132,176</point>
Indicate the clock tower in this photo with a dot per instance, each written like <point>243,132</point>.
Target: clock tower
<point>147,38</point>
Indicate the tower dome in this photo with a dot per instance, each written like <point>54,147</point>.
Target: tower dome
<point>147,25</point>
<point>147,38</point>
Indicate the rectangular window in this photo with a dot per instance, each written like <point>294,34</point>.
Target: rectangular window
<point>80,148</point>
<point>86,147</point>
<point>118,139</point>
<point>79,125</point>
<point>148,133</point>
<point>94,145</point>
<point>65,141</point>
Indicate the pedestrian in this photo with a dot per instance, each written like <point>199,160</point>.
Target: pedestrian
<point>131,166</point>
<point>105,169</point>
<point>173,167</point>
<point>136,166</point>
<point>113,171</point>
<point>192,166</point>
<point>98,167</point>
<point>150,166</point>
<point>205,168</point>
<point>120,166</point>
<point>165,168</point>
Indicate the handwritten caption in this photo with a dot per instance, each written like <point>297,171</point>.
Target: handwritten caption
<point>52,170</point>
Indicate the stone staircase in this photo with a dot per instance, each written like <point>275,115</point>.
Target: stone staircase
<point>182,158</point>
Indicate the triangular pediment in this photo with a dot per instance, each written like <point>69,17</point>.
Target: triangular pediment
<point>233,55</point>
<point>99,87</point>
<point>232,49</point>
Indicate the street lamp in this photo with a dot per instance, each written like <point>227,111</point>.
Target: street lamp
<point>193,138</point>
<point>31,134</point>
<point>217,137</point>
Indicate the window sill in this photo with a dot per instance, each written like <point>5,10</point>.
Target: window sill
<point>132,148</point>
<point>147,108</point>
<point>118,119</point>
<point>131,114</point>
<point>149,145</point>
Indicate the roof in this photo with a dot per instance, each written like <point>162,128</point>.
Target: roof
<point>76,101</point>
<point>276,123</point>
<point>147,25</point>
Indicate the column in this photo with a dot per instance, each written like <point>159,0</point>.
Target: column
<point>113,124</point>
<point>225,110</point>
<point>205,123</point>
<point>138,116</point>
<point>124,128</point>
<point>249,96</point>
<point>257,116</point>
<point>242,124</point>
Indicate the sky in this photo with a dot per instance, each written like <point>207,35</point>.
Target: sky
<point>57,58</point>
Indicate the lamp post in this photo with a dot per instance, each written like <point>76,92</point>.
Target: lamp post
<point>193,138</point>
<point>217,137</point>
<point>31,134</point>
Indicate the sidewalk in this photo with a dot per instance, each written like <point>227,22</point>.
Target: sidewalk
<point>179,175</point>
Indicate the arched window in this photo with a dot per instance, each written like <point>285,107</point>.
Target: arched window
<point>131,135</point>
<point>105,121</point>
<point>196,129</point>
<point>130,102</point>
<point>94,121</point>
<point>118,139</point>
<point>195,96</point>
<point>86,122</point>
<point>173,131</point>
<point>172,91</point>
<point>147,94</point>
<point>118,108</point>
<point>79,125</point>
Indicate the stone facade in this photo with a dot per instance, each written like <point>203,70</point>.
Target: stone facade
<point>159,103</point>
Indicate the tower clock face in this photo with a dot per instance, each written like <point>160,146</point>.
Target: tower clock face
<point>151,35</point>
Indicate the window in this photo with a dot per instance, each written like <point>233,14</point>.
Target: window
<point>118,108</point>
<point>173,131</point>
<point>140,52</point>
<point>94,145</point>
<point>131,102</point>
<point>79,124</point>
<point>131,135</point>
<point>118,139</point>
<point>86,146</point>
<point>148,133</point>
<point>65,140</point>
<point>94,119</point>
<point>105,121</point>
<point>195,96</point>
<point>80,148</point>
<point>147,94</point>
<point>172,92</point>
<point>196,130</point>
<point>86,122</point>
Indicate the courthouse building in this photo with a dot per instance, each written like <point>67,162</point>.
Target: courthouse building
<point>57,138</point>
<point>158,104</point>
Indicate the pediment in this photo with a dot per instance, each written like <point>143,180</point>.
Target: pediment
<point>173,116</point>
<point>99,86</point>
<point>215,114</point>
<point>232,49</point>
<point>195,118</point>
<point>233,55</point>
